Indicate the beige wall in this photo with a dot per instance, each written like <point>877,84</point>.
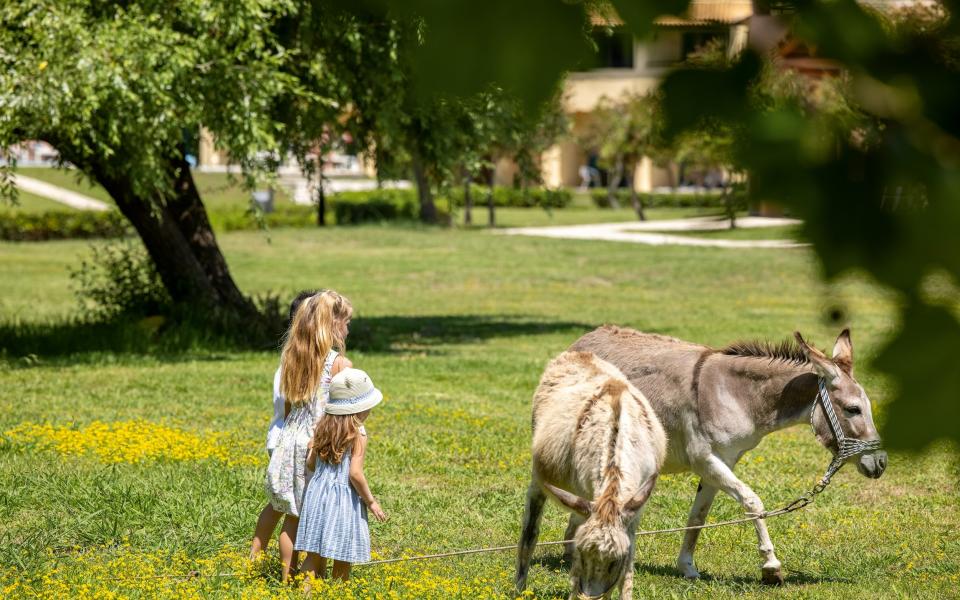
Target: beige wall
<point>582,91</point>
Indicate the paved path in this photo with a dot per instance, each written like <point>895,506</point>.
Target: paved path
<point>58,194</point>
<point>651,232</point>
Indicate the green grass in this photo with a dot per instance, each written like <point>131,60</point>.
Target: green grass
<point>31,203</point>
<point>785,232</point>
<point>455,326</point>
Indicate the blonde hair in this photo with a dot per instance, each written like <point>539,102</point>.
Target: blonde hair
<point>317,328</point>
<point>335,434</point>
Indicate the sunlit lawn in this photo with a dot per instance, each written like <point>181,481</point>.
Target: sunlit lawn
<point>455,326</point>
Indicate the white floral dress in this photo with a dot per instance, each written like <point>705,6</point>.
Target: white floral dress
<point>287,473</point>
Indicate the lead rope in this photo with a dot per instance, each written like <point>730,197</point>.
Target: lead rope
<point>846,447</point>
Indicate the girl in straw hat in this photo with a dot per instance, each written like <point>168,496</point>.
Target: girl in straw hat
<point>307,364</point>
<point>333,522</point>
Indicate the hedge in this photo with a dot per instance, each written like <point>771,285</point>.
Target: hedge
<point>352,208</point>
<point>601,199</point>
<point>61,225</point>
<point>514,197</point>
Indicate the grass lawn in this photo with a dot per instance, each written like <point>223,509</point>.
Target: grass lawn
<point>785,232</point>
<point>126,471</point>
<point>31,203</point>
<point>218,190</point>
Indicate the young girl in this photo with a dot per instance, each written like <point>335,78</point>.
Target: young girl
<point>333,522</point>
<point>308,362</point>
<point>269,518</point>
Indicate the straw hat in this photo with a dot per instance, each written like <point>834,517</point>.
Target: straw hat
<point>352,392</point>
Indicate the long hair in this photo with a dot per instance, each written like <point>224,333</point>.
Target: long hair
<point>318,327</point>
<point>335,434</point>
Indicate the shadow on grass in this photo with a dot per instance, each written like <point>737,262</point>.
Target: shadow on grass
<point>419,333</point>
<point>554,562</point>
<point>26,344</point>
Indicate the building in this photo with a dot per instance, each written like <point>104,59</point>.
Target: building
<point>629,65</point>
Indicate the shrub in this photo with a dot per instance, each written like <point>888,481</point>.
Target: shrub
<point>373,206</point>
<point>514,197</point>
<point>61,225</point>
<point>283,215</point>
<point>120,279</point>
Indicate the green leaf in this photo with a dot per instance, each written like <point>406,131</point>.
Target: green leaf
<point>922,359</point>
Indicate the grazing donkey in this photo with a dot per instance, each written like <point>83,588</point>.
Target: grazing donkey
<point>594,436</point>
<point>717,404</point>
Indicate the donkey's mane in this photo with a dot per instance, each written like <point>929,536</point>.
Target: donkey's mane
<point>786,351</point>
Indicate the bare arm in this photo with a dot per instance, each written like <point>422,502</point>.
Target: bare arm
<point>359,480</point>
<point>340,363</point>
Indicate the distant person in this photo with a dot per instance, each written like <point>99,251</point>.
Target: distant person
<point>586,177</point>
<point>310,358</point>
<point>333,521</point>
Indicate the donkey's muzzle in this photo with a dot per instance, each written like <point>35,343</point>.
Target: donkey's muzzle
<point>873,465</point>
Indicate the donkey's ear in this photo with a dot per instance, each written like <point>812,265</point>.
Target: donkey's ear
<point>571,501</point>
<point>824,367</point>
<point>843,352</point>
<point>640,498</point>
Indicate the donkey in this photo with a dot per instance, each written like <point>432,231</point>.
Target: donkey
<point>594,436</point>
<point>717,404</point>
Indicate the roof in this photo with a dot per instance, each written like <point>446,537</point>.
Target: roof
<point>710,12</point>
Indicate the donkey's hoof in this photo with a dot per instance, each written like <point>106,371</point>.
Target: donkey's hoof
<point>772,576</point>
<point>688,570</point>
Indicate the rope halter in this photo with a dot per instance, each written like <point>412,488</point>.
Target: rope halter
<point>846,447</point>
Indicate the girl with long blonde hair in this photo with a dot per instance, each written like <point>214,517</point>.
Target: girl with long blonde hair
<point>311,356</point>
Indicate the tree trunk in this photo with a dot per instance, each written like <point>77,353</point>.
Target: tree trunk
<point>428,210</point>
<point>321,203</point>
<point>179,239</point>
<point>635,198</point>
<point>490,209</point>
<point>614,182</point>
<point>467,199</point>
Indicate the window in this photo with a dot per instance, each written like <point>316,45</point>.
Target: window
<point>614,49</point>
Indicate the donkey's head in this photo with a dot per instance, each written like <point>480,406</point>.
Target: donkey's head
<point>602,544</point>
<point>850,403</point>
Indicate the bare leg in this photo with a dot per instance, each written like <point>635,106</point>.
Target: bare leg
<point>341,570</point>
<point>288,536</point>
<point>529,531</point>
<point>698,516</point>
<point>314,567</point>
<point>572,525</point>
<point>717,473</point>
<point>264,530</point>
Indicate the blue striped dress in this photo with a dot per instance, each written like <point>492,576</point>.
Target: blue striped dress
<point>333,520</point>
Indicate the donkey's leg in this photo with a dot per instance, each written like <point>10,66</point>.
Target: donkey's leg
<point>626,586</point>
<point>529,531</point>
<point>717,473</point>
<point>572,525</point>
<point>698,516</point>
